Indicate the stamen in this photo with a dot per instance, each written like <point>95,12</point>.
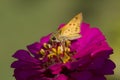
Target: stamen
<point>60,50</point>
<point>67,43</point>
<point>47,46</point>
<point>67,49</point>
<point>66,58</point>
<point>42,51</point>
<point>51,55</point>
<point>56,52</point>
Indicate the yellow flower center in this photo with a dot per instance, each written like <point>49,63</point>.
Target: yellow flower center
<point>56,52</point>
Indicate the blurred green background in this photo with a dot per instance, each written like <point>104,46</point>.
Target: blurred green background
<point>23,22</point>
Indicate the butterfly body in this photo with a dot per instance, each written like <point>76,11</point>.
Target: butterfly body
<point>70,31</point>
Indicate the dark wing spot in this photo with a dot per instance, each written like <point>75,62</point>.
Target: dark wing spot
<point>70,24</point>
<point>65,31</point>
<point>76,18</point>
<point>68,29</point>
<point>76,29</point>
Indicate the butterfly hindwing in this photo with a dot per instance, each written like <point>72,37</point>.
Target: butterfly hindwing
<point>73,37</point>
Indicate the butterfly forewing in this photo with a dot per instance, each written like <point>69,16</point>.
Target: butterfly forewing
<point>72,29</point>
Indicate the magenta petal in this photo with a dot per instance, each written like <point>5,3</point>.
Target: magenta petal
<point>25,75</point>
<point>97,63</point>
<point>101,48</point>
<point>45,39</point>
<point>34,48</point>
<point>99,77</point>
<point>25,56</point>
<point>26,65</point>
<point>91,42</point>
<point>98,60</point>
<point>56,68</point>
<point>107,68</point>
<point>61,77</point>
<point>78,63</point>
<point>84,28</point>
<point>83,75</point>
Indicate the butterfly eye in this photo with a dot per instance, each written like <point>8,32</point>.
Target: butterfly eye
<point>53,38</point>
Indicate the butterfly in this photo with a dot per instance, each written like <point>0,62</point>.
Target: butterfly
<point>70,31</point>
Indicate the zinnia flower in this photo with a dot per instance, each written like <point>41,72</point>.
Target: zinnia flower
<point>86,58</point>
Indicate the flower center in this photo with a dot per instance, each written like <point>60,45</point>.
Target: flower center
<point>54,52</point>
